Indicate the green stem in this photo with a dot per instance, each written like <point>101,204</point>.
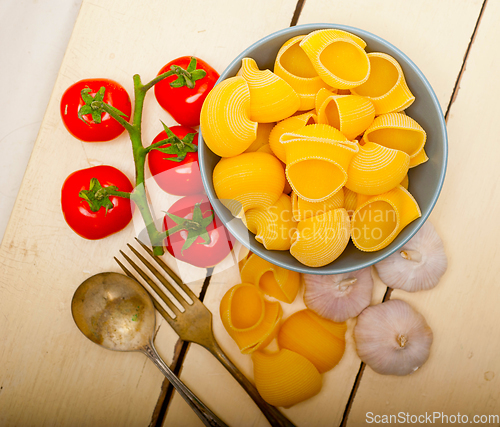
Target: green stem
<point>159,78</point>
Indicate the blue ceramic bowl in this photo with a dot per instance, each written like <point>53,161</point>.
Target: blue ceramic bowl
<point>426,180</point>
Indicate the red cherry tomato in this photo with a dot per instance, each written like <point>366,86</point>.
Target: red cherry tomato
<point>179,178</point>
<point>77,212</point>
<point>182,103</point>
<point>88,130</point>
<point>199,239</point>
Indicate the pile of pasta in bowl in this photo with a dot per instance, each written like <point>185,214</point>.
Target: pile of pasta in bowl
<point>316,153</point>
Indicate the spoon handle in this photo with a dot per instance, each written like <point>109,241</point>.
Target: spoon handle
<point>205,414</point>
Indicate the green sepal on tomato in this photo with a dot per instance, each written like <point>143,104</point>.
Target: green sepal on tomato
<point>96,201</point>
<point>174,165</point>
<point>87,124</point>
<point>195,234</point>
<point>183,93</point>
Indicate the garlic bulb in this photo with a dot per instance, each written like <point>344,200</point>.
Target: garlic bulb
<point>338,297</point>
<point>392,338</point>
<point>418,265</point>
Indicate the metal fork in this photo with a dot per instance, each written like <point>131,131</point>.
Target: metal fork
<point>194,324</point>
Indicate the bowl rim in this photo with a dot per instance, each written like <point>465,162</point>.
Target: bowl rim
<point>220,209</point>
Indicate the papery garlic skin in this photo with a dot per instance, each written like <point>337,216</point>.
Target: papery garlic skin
<point>418,265</point>
<point>338,297</point>
<point>392,338</point>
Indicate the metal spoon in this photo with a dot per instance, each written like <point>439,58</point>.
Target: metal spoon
<point>117,313</point>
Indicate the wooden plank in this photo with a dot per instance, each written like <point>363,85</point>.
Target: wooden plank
<point>52,375</point>
<point>463,371</point>
<point>434,34</point>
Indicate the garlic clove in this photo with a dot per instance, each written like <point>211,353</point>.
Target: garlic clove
<point>392,338</point>
<point>418,265</point>
<point>338,297</point>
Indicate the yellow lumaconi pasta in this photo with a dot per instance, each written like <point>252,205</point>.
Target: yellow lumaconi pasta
<point>303,209</point>
<point>378,221</point>
<point>405,182</point>
<point>271,98</point>
<point>273,280</point>
<point>285,378</point>
<point>289,125</point>
<point>322,96</point>
<point>250,320</point>
<point>319,340</point>
<point>338,57</point>
<point>249,180</point>
<point>398,131</point>
<point>293,66</point>
<point>386,86</point>
<point>224,119</point>
<point>351,114</point>
<point>273,226</point>
<point>262,138</point>
<point>321,239</point>
<point>317,159</point>
<point>419,158</point>
<point>350,201</point>
<point>376,169</point>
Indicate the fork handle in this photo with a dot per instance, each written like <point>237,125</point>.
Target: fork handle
<point>273,415</point>
<point>205,414</point>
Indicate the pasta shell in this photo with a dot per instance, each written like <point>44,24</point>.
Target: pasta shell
<point>350,201</point>
<point>397,131</point>
<point>285,378</point>
<point>262,138</point>
<point>271,98</point>
<point>319,340</point>
<point>322,95</point>
<point>317,159</point>
<point>293,66</point>
<point>405,182</point>
<point>275,281</point>
<point>250,180</point>
<point>274,226</point>
<point>376,169</point>
<point>302,209</point>
<point>224,119</point>
<point>419,158</point>
<point>250,320</point>
<point>321,239</point>
<point>289,125</point>
<point>351,114</point>
<point>386,86</point>
<point>338,57</point>
<point>378,221</point>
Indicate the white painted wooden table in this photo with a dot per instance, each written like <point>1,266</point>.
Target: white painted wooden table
<point>50,375</point>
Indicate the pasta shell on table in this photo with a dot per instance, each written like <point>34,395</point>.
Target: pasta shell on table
<point>320,340</point>
<point>397,131</point>
<point>377,222</point>
<point>289,125</point>
<point>275,281</point>
<point>386,86</point>
<point>376,169</point>
<point>351,114</point>
<point>262,138</point>
<point>321,239</point>
<point>250,320</point>
<point>249,180</point>
<point>271,98</point>
<point>273,226</point>
<point>303,209</point>
<point>224,118</point>
<point>285,378</point>
<point>293,66</point>
<point>317,160</point>
<point>338,57</point>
